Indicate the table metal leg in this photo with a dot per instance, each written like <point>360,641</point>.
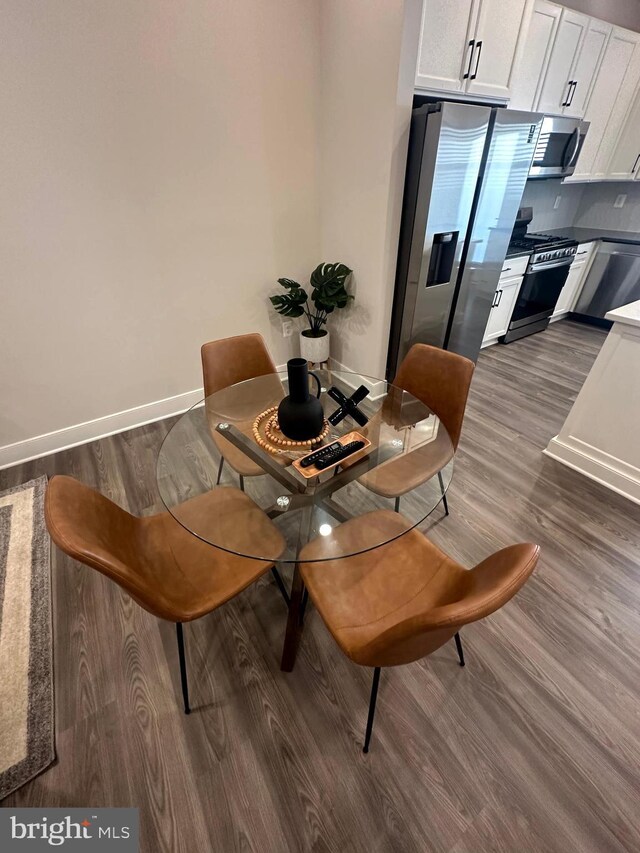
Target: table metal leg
<point>294,626</point>
<point>294,620</point>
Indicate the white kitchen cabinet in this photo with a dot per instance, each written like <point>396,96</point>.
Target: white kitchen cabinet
<point>514,267</point>
<point>499,45</point>
<point>558,85</point>
<point>447,29</point>
<point>625,163</point>
<point>504,301</point>
<point>618,118</point>
<point>613,90</point>
<point>585,69</point>
<point>545,21</point>
<point>573,285</point>
<point>471,46</point>
<point>562,56</point>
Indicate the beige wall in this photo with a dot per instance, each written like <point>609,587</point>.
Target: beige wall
<point>159,171</point>
<point>369,50</point>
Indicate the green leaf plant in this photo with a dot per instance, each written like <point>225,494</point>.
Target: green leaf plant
<point>329,292</point>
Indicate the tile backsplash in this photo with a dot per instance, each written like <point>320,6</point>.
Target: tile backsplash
<point>585,205</point>
<point>541,196</point>
<point>596,208</point>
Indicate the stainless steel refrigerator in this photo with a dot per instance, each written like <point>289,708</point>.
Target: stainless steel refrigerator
<point>466,172</point>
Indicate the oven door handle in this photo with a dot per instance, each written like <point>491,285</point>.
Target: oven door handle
<point>568,161</point>
<point>549,265</point>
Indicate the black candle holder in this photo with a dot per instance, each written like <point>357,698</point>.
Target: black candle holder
<point>348,405</point>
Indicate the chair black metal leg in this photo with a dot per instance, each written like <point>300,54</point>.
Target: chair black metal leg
<point>459,648</point>
<point>444,494</point>
<point>241,482</point>
<point>220,467</point>
<point>183,668</point>
<point>397,504</point>
<point>372,708</point>
<point>278,578</point>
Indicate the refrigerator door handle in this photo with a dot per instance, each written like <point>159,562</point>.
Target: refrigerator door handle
<point>465,76</point>
<point>443,256</point>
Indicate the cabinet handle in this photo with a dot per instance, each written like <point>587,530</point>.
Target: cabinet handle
<point>635,165</point>
<point>506,269</point>
<point>574,83</point>
<point>468,71</point>
<point>475,73</point>
<point>565,103</point>
<point>496,299</point>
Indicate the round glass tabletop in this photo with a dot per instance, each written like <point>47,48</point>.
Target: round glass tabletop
<point>210,453</point>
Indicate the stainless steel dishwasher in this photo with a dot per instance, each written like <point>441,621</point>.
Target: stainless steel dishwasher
<point>613,280</point>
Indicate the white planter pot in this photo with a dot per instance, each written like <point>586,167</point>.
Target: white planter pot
<point>315,349</point>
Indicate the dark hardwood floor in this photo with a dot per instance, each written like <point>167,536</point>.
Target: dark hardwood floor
<point>533,746</point>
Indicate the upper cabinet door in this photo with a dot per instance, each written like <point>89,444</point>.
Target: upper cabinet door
<point>445,52</point>
<point>558,87</point>
<point>621,116</point>
<point>608,103</point>
<point>586,67</point>
<point>625,164</point>
<point>537,52</point>
<point>500,37</point>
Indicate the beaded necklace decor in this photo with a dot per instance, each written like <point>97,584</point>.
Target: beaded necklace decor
<point>274,441</point>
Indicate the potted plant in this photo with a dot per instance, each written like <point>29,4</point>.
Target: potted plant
<point>329,293</point>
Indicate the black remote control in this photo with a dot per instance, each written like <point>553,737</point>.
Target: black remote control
<point>342,452</point>
<point>319,454</point>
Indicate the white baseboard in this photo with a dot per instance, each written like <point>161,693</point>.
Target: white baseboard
<point>376,389</point>
<point>72,436</point>
<point>491,342</point>
<point>63,439</point>
<point>613,473</point>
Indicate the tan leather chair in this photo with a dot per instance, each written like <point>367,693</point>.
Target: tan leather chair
<point>164,568</point>
<point>226,362</point>
<point>397,603</point>
<point>441,380</point>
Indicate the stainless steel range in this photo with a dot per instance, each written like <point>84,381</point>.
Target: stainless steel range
<point>543,280</point>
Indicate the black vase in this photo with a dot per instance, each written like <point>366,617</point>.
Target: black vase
<point>300,416</point>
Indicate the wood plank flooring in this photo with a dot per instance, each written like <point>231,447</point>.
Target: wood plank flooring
<point>533,746</point>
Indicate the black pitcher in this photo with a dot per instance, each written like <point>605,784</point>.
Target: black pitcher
<point>300,415</point>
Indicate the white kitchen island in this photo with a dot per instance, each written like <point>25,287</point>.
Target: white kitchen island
<point>601,436</point>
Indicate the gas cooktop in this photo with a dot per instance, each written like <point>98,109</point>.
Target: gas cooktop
<point>535,242</point>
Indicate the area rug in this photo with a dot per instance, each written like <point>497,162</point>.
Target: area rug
<point>26,665</point>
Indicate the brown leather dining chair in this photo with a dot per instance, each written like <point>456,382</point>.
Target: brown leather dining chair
<point>164,568</point>
<point>226,362</point>
<point>440,379</point>
<point>397,603</point>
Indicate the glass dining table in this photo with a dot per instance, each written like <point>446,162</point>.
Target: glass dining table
<point>407,466</point>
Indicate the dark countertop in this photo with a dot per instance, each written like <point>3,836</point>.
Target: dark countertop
<point>586,235</point>
<point>518,253</point>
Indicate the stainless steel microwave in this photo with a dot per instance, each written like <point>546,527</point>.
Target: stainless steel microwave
<point>558,147</point>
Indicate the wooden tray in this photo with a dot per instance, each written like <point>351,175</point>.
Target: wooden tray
<point>312,471</point>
